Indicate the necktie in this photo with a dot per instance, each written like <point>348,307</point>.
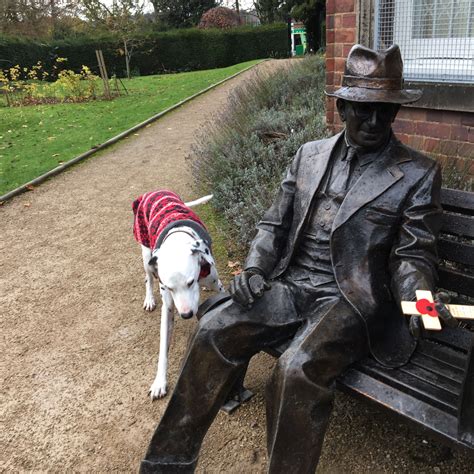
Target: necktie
<point>340,180</point>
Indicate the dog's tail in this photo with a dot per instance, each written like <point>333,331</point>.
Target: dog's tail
<point>202,200</point>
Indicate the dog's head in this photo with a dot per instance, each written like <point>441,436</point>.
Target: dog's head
<point>180,266</point>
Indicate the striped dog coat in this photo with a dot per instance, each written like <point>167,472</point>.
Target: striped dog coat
<point>157,212</point>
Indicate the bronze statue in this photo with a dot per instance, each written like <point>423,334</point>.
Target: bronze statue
<point>351,233</point>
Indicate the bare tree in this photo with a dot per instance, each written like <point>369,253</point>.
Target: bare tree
<point>268,11</point>
<point>123,18</point>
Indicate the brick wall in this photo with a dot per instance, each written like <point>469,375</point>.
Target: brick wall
<point>442,134</point>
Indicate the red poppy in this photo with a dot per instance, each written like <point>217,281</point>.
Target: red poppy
<point>425,306</point>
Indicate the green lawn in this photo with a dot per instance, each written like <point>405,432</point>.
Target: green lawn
<point>35,139</point>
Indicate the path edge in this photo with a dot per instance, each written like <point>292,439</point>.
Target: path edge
<point>59,169</point>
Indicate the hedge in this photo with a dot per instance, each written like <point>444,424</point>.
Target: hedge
<point>170,51</point>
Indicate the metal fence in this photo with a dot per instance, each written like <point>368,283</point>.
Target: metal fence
<point>436,37</point>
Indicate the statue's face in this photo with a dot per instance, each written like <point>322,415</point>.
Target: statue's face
<point>368,124</point>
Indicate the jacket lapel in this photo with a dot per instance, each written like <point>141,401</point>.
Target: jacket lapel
<point>313,171</point>
<point>379,176</point>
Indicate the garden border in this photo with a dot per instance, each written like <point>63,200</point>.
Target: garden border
<point>40,179</point>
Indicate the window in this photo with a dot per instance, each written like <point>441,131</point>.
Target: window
<point>436,37</point>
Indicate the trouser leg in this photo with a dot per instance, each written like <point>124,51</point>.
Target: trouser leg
<point>300,392</point>
<point>225,340</point>
<point>195,401</point>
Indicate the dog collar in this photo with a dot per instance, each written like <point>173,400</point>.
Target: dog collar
<point>175,231</point>
<point>205,269</point>
<point>200,231</point>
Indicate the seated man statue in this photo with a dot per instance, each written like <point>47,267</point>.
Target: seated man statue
<point>351,233</point>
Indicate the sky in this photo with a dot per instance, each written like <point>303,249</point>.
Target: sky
<point>244,4</point>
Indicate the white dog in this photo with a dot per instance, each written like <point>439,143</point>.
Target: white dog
<point>176,250</point>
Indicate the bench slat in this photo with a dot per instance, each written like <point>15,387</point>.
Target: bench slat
<point>456,281</point>
<point>442,353</point>
<point>458,224</point>
<point>457,201</point>
<point>407,383</point>
<point>436,366</point>
<point>438,422</point>
<point>456,251</point>
<point>434,378</point>
<point>457,339</point>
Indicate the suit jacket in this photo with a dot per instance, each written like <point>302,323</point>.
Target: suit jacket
<point>383,239</point>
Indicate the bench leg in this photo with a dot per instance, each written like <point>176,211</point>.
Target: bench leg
<point>466,411</point>
<point>238,395</point>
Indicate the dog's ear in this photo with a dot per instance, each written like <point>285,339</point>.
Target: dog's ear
<point>201,249</point>
<point>197,247</point>
<point>153,261</point>
<point>206,257</point>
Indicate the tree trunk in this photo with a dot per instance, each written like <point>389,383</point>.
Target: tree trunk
<point>127,58</point>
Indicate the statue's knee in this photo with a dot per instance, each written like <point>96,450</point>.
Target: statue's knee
<point>205,333</point>
<point>299,368</point>
<point>289,367</point>
<point>211,327</point>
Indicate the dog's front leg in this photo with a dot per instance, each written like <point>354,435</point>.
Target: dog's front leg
<point>159,387</point>
<point>149,304</point>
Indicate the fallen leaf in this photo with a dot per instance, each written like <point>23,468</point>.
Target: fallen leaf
<point>237,272</point>
<point>27,204</point>
<point>231,264</point>
<point>30,187</point>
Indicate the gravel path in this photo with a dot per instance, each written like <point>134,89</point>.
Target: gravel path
<point>79,353</point>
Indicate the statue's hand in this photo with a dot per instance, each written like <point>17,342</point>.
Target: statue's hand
<point>440,299</point>
<point>247,286</point>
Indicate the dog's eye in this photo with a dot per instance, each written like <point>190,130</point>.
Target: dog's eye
<point>191,283</point>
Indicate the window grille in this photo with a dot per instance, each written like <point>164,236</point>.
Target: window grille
<point>436,37</point>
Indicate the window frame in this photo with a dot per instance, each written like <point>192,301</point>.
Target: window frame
<point>439,95</point>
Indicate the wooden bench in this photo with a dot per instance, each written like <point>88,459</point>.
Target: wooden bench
<point>435,390</point>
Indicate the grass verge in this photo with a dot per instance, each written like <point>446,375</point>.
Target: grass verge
<point>35,139</point>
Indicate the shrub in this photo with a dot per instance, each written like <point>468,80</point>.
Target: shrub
<point>242,155</point>
<point>170,51</point>
<point>24,86</point>
<point>219,17</point>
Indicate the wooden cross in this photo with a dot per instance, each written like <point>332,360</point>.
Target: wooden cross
<point>425,307</point>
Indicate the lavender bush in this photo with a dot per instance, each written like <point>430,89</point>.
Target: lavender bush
<point>242,154</point>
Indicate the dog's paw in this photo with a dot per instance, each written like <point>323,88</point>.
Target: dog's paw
<point>158,389</point>
<point>149,304</point>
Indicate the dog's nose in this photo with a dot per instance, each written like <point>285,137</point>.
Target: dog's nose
<point>187,315</point>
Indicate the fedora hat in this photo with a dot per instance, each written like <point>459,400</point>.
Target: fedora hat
<point>374,76</point>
